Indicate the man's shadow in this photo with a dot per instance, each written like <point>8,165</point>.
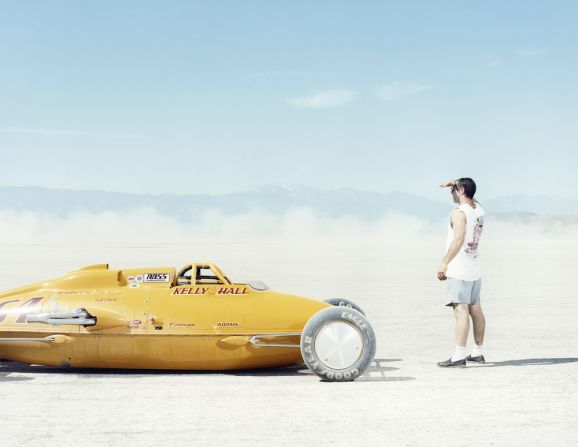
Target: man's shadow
<point>526,362</point>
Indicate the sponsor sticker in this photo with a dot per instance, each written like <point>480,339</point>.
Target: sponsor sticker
<point>138,278</point>
<point>157,277</point>
<point>82,292</point>
<point>134,286</point>
<point>227,324</point>
<point>179,324</point>
<point>131,278</point>
<point>135,322</point>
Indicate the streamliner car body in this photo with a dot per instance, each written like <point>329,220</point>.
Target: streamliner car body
<point>191,319</point>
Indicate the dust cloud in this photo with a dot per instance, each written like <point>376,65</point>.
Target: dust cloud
<point>302,225</point>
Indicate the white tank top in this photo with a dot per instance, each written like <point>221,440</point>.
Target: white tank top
<point>466,264</point>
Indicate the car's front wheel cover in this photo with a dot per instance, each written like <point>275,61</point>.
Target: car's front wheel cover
<point>338,344</point>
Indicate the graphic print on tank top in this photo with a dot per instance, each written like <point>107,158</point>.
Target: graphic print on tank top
<point>472,247</point>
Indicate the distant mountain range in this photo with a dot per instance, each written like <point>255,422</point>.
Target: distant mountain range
<point>271,199</point>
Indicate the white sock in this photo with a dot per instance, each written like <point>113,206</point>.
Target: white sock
<point>459,353</point>
<point>477,351</point>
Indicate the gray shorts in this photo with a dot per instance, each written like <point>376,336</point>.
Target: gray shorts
<point>462,292</point>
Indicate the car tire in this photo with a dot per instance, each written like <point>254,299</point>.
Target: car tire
<point>338,344</point>
<point>344,303</point>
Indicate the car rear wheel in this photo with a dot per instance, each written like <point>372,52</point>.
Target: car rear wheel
<point>344,303</point>
<point>338,344</point>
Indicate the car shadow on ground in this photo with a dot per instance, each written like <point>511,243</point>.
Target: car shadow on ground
<point>527,362</point>
<point>375,373</point>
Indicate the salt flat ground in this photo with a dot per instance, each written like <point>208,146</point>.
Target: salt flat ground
<point>525,395</point>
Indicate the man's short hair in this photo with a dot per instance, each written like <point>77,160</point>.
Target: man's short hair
<point>469,186</point>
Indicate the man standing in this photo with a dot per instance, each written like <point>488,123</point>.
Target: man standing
<point>460,268</point>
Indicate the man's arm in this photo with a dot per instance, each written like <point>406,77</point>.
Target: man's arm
<point>458,221</point>
<point>448,184</point>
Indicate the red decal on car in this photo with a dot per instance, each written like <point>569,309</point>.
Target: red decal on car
<point>232,291</point>
<point>3,315</point>
<point>27,305</point>
<point>190,290</point>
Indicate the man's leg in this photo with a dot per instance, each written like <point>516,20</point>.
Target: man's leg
<point>462,324</point>
<point>479,323</point>
<point>454,289</point>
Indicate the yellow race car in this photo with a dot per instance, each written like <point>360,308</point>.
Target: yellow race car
<point>191,319</point>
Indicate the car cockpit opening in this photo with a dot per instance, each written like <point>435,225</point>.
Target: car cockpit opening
<point>200,274</point>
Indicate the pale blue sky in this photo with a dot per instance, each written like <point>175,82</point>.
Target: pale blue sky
<point>222,96</point>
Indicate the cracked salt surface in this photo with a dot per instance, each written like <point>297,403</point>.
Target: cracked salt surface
<point>525,394</point>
